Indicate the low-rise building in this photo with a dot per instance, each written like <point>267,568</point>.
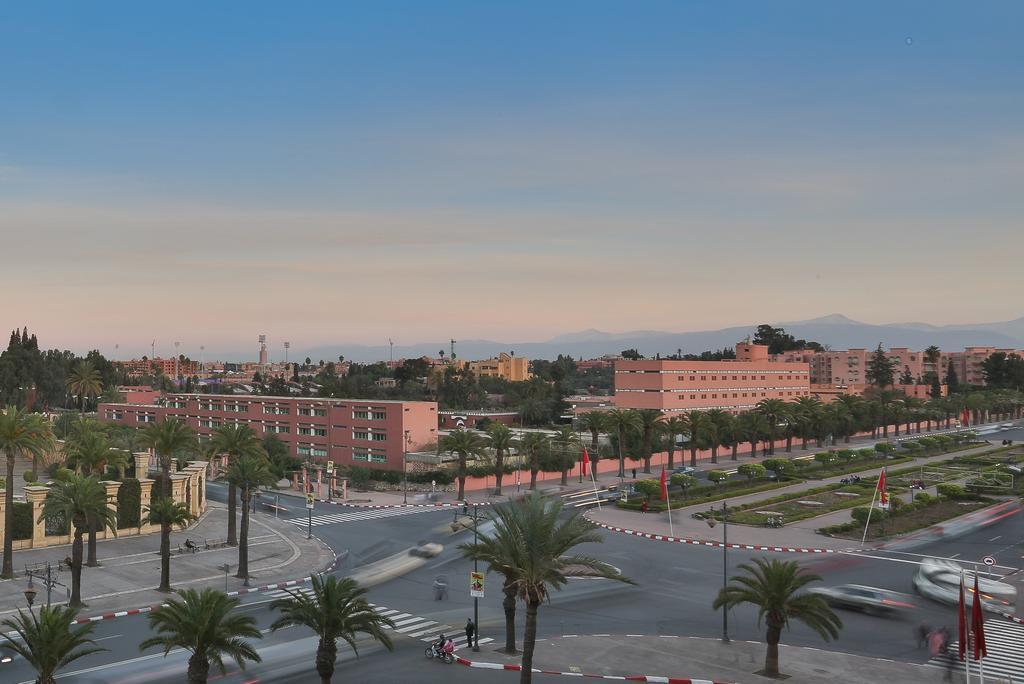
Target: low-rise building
<point>506,366</point>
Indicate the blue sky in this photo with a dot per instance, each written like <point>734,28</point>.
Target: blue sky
<point>512,171</point>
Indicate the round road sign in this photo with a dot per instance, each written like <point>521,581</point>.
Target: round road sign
<point>988,560</point>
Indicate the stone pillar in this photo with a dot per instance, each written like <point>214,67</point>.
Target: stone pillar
<point>3,509</point>
<point>178,483</point>
<point>141,464</point>
<point>295,480</point>
<point>145,498</point>
<point>36,495</point>
<point>112,487</point>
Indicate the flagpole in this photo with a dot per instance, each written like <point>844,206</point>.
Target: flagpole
<point>668,502</point>
<point>593,464</point>
<point>964,634</point>
<point>871,508</point>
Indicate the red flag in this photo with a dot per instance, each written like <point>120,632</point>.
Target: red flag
<point>965,418</point>
<point>664,485</point>
<point>883,493</point>
<point>585,461</point>
<point>961,617</point>
<point>978,623</point>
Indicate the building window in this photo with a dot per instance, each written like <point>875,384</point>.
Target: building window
<point>320,412</point>
<point>361,415</point>
<point>380,415</point>
<point>318,453</point>
<point>144,419</point>
<point>305,431</point>
<point>305,411</point>
<point>277,429</point>
<point>276,410</point>
<point>360,434</point>
<point>379,436</point>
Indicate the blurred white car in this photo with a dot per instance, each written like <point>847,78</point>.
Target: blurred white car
<point>871,600</point>
<point>939,580</point>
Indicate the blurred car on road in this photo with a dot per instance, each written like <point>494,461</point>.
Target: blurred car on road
<point>870,600</point>
<point>939,580</point>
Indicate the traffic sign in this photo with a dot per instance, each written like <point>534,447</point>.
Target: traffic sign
<point>988,560</point>
<point>330,467</point>
<point>476,584</point>
<point>310,501</point>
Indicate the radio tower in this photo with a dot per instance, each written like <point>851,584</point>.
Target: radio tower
<point>287,346</point>
<point>263,350</point>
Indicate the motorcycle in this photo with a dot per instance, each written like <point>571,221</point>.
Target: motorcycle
<point>445,654</point>
<point>775,521</point>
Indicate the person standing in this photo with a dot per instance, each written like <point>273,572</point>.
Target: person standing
<point>470,631</point>
<point>643,506</point>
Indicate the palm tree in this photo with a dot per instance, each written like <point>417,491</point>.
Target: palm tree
<point>203,623</point>
<point>650,421</point>
<point>85,382</point>
<point>88,448</point>
<point>914,412</point>
<point>534,444</point>
<point>714,419</point>
<point>21,434</point>
<point>501,439</point>
<point>235,441</point>
<point>167,513</point>
<point>673,426</point>
<point>772,410</point>
<point>336,609</point>
<point>772,586</point>
<point>497,551</point>
<point>700,428</point>
<point>850,407</point>
<point>82,502</point>
<point>752,428</point>
<point>885,401</point>
<point>727,431</point>
<point>49,642</point>
<point>623,422</point>
<point>538,547</point>
<point>169,439</point>
<point>566,442</point>
<point>248,473</point>
<point>464,443</point>
<point>595,422</point>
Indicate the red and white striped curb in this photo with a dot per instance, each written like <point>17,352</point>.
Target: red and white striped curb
<point>628,678</point>
<point>1012,618</point>
<point>703,542</point>
<point>412,505</point>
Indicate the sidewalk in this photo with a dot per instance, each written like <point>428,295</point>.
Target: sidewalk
<point>705,659</point>
<point>799,534</point>
<point>130,567</point>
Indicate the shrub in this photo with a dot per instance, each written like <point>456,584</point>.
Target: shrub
<point>824,457</point>
<point>846,455</point>
<point>952,491</point>
<point>129,504</point>
<point>885,448</point>
<point>22,525</point>
<point>684,481</point>
<point>481,471</point>
<point>63,474</point>
<point>927,443</point>
<point>861,513</point>
<point>27,476</point>
<point>360,476</point>
<point>779,466</point>
<point>752,471</point>
<point>896,504</point>
<point>717,476</point>
<point>866,453</point>
<point>651,488</point>
<point>911,446</point>
<point>924,499</point>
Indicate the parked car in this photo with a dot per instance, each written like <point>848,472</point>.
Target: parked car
<point>683,470</point>
<point>939,580</point>
<point>870,600</point>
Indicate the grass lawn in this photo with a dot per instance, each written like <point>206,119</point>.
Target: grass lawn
<point>910,521</point>
<point>792,510</point>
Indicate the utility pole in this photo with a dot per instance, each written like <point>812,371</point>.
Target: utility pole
<point>476,601</point>
<point>392,357</point>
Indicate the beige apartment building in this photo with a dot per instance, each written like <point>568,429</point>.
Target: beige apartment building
<point>506,366</point>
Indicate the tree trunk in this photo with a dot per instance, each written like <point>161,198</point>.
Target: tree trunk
<point>326,656</point>
<point>243,538</point>
<point>8,570</point>
<point>771,657</point>
<point>671,452</point>
<point>734,447</point>
<point>499,470</point>
<point>165,557</point>
<point>647,455</point>
<point>165,466</point>
<point>76,569</point>
<point>198,668</point>
<point>789,444</point>
<point>622,455</point>
<point>91,560</point>
<point>846,439</point>
<point>232,506</point>
<point>753,448</point>
<point>509,606</point>
<point>803,442</point>
<point>462,477</point>
<point>35,468</point>
<point>565,476</point>
<point>529,642</point>
<point>714,453</point>
<point>693,457</point>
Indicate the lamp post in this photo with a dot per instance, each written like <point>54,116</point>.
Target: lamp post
<point>476,601</point>
<point>725,565</point>
<point>405,470</point>
<point>30,593</point>
<point>48,581</point>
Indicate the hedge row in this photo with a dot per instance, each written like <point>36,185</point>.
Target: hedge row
<point>22,525</point>
<point>129,504</point>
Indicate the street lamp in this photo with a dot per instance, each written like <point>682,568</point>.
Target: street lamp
<point>725,564</point>
<point>476,601</point>
<point>30,593</point>
<point>405,469</point>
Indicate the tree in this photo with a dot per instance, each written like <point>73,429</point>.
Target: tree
<point>623,421</point>
<point>906,377</point>
<point>247,474</point>
<point>89,451</point>
<point>80,501</point>
<point>566,444</point>
<point>335,609</point>
<point>501,439</point>
<point>463,443</point>
<point>774,587</point>
<point>684,481</point>
<point>752,471</point>
<point>203,624</point>
<point>752,427</point>
<point>539,547</point>
<point>778,340</point>
<point>935,391</point>
<point>234,441</point>
<point>773,411</point>
<point>673,426</point>
<point>595,423</point>
<point>631,355</point>
<point>167,513</point>
<point>952,381</point>
<point>21,434</point>
<point>881,370</point>
<point>50,641</point>
<point>534,444</point>
<point>717,419</point>
<point>85,382</point>
<point>650,422</point>
<point>169,439</point>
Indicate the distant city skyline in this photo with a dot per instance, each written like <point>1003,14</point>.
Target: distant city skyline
<point>338,174</point>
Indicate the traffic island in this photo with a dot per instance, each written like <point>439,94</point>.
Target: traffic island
<point>669,658</point>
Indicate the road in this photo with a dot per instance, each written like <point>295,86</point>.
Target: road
<point>675,584</point>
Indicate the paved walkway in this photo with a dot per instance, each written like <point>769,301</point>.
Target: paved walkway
<point>678,658</point>
<point>130,566</point>
<point>799,534</point>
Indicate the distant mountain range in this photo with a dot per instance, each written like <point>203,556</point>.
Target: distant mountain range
<point>835,330</point>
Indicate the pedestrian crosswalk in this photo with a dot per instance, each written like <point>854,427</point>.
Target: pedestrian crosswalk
<point>414,626</point>
<point>352,516</point>
<point>1005,659</point>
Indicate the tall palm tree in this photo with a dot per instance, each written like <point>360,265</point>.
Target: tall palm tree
<point>85,382</point>
<point>728,434</point>
<point>914,412</point>
<point>886,401</point>
<point>501,439</point>
<point>21,434</point>
<point>851,408</point>
<point>650,422</point>
<point>497,550</point>
<point>50,641</point>
<point>715,419</point>
<point>463,443</point>
<point>89,450</point>
<point>80,501</point>
<point>169,439</point>
<point>594,422</point>
<point>773,587</point>
<point>700,427</point>
<point>539,545</point>
<point>234,441</point>
<point>566,443</point>
<point>623,422</point>
<point>248,473</point>
<point>534,444</point>
<point>167,513</point>
<point>804,414</point>
<point>674,425</point>
<point>336,609</point>
<point>773,410</point>
<point>752,428</point>
<point>203,623</point>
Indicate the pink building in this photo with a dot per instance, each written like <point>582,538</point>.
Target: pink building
<point>452,420</point>
<point>967,363</point>
<point>731,385</point>
<point>346,431</point>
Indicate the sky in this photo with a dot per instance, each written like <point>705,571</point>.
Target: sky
<point>331,172</point>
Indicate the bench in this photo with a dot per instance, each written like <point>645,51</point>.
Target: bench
<point>209,544</point>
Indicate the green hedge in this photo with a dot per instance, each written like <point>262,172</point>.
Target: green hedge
<point>129,504</point>
<point>22,525</point>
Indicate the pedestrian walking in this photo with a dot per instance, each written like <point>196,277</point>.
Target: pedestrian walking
<point>634,473</point>
<point>923,630</point>
<point>643,506</point>
<point>470,631</point>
